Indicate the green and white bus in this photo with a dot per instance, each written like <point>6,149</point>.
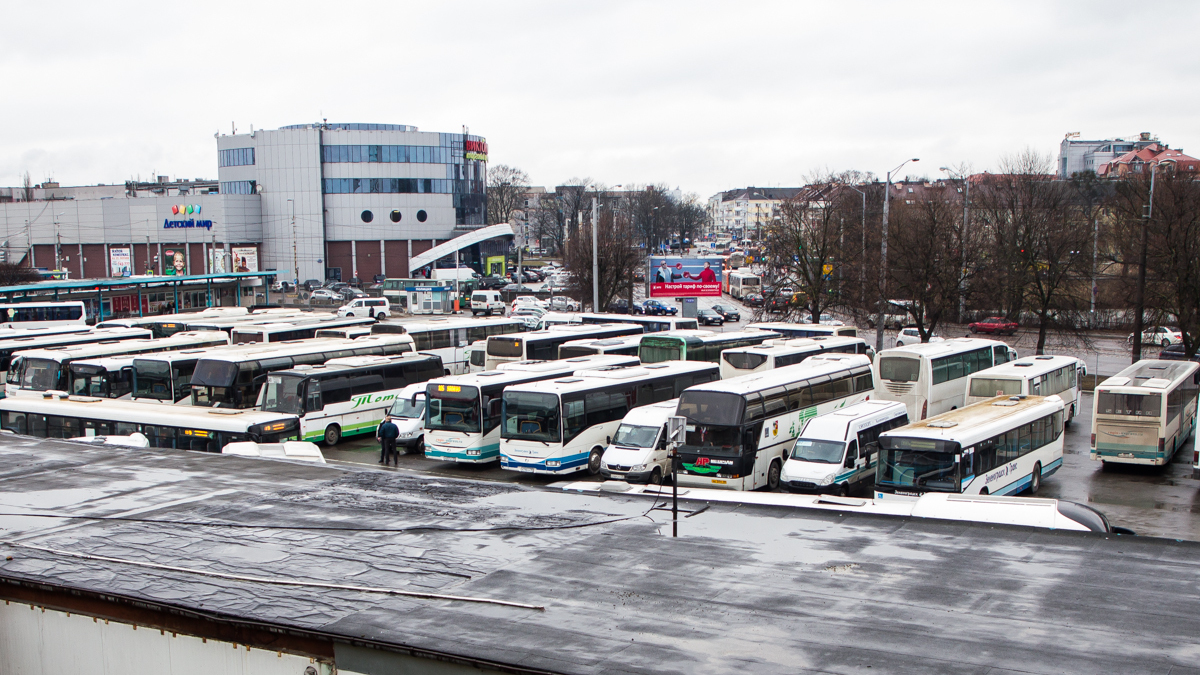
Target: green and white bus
<point>739,429</point>
<point>697,345</point>
<point>1144,413</point>
<point>346,396</point>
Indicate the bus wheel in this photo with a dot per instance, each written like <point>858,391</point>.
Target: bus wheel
<point>333,434</point>
<point>593,465</point>
<point>1070,416</point>
<point>1035,481</point>
<point>843,490</point>
<point>984,492</point>
<point>656,477</point>
<point>773,475</point>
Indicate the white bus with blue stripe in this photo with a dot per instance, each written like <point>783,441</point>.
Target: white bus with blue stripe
<point>1000,446</point>
<point>562,426</point>
<point>462,413</point>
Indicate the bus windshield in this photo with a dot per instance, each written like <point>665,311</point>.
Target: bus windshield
<point>659,350</point>
<point>744,361</point>
<point>899,369</point>
<point>632,436</point>
<point>406,409</point>
<point>994,386</point>
<point>505,347</point>
<point>153,379</point>
<point>39,374</point>
<point>530,416</point>
<point>452,407</point>
<point>918,463</point>
<point>1136,405</point>
<point>285,394</point>
<point>88,380</point>
<point>822,452</point>
<point>712,408</point>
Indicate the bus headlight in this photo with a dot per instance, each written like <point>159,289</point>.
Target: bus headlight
<point>828,480</point>
<point>553,464</point>
<point>472,453</point>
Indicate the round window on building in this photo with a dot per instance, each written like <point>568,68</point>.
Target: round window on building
<point>422,216</point>
<point>395,216</point>
<point>367,216</point>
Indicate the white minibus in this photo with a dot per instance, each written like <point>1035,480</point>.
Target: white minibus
<point>462,416</point>
<point>838,451</point>
<point>346,396</point>
<point>930,378</point>
<point>38,370</point>
<point>1000,446</point>
<point>1036,375</point>
<point>638,452</point>
<point>739,429</point>
<point>562,425</point>
<point>1144,413</point>
<point>781,352</point>
<point>180,427</point>
<point>804,330</point>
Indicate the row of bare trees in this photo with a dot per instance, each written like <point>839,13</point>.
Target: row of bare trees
<point>1051,254</point>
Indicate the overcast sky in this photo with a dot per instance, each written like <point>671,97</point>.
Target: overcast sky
<point>700,96</point>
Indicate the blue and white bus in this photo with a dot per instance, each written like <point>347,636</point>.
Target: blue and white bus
<point>563,425</point>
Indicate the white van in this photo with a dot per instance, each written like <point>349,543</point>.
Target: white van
<point>638,451</point>
<point>372,307</point>
<point>408,414</point>
<point>837,451</point>
<point>487,302</point>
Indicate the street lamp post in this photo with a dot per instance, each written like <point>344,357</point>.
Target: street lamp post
<point>887,192</point>
<point>962,291</point>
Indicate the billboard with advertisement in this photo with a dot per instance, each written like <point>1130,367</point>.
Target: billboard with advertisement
<point>174,262</point>
<point>245,259</point>
<point>216,261</point>
<point>120,261</point>
<point>677,277</point>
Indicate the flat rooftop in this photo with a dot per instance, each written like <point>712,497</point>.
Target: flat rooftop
<point>747,589</point>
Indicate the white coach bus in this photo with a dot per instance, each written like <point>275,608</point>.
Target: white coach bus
<point>452,338</point>
<point>738,430</point>
<point>462,412</point>
<point>929,378</point>
<point>543,345</point>
<point>1035,376</point>
<point>563,425</point>
<point>1144,413</point>
<point>778,353</point>
<point>1000,446</point>
<point>42,314</point>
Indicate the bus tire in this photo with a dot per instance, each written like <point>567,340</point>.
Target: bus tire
<point>773,472</point>
<point>984,492</point>
<point>656,476</point>
<point>333,434</point>
<point>1070,416</point>
<point>593,465</point>
<point>843,490</point>
<point>1035,481</point>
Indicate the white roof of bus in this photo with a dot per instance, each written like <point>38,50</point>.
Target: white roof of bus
<point>711,335</point>
<point>354,363</point>
<point>291,347</point>
<point>97,349</point>
<point>218,419</point>
<point>786,326</point>
<point>95,335</point>
<point>980,420</point>
<point>590,379</point>
<point>1144,373</point>
<point>618,341</point>
<point>317,323</point>
<point>454,322</point>
<point>821,364</point>
<point>575,363</point>
<point>933,350</point>
<point>1027,367</point>
<point>797,345</point>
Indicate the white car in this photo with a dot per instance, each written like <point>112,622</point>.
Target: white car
<point>561,303</point>
<point>1158,335</point>
<point>911,336</point>
<point>530,316</point>
<point>528,301</point>
<point>325,294</point>
<point>826,320</point>
<point>370,307</point>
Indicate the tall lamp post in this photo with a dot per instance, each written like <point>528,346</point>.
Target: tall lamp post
<point>962,291</point>
<point>887,192</point>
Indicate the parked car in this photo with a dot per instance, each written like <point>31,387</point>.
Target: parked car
<point>707,317</point>
<point>528,301</point>
<point>355,282</point>
<point>1158,335</point>
<point>311,285</point>
<point>516,288</point>
<point>912,336</point>
<point>372,307</point>
<point>529,315</point>
<point>996,325</point>
<point>491,283</point>
<point>324,294</point>
<point>656,308</point>
<point>639,275</point>
<point>1176,353</point>
<point>350,293</point>
<point>618,306</point>
<point>727,312</point>
<point>561,303</point>
<point>826,320</point>
<point>752,300</point>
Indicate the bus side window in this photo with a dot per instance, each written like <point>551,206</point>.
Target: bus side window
<point>852,454</point>
<point>313,397</point>
<point>14,422</point>
<point>1001,354</point>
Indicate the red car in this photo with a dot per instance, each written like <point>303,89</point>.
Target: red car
<point>994,324</point>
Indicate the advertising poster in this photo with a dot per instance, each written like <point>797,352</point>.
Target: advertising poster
<point>216,261</point>
<point>245,259</point>
<point>174,262</point>
<point>676,277</point>
<point>120,262</point>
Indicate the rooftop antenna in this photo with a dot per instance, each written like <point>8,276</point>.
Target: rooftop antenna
<point>233,127</point>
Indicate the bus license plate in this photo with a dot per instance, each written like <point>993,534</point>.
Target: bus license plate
<point>526,469</point>
<point>718,481</point>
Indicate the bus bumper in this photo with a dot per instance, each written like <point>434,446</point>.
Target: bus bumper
<point>713,483</point>
<point>1126,454</point>
<point>465,456</point>
<point>553,466</point>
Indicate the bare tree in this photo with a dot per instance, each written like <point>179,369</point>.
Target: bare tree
<point>27,187</point>
<point>574,198</point>
<point>12,274</point>
<point>617,257</point>
<point>545,222</point>
<point>652,214</point>
<point>506,190</point>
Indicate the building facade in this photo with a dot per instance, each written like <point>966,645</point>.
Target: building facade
<point>1076,155</point>
<point>746,212</point>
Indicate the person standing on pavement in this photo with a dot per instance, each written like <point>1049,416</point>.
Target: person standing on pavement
<point>386,434</point>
